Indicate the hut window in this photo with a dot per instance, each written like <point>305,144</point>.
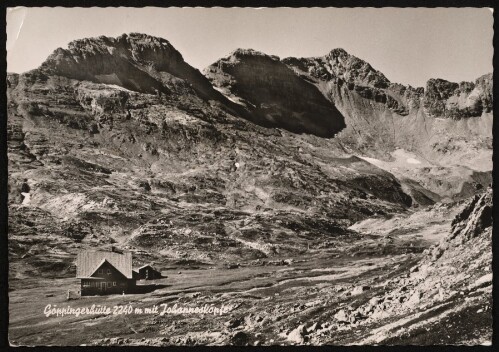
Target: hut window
<point>101,271</point>
<point>114,283</point>
<point>109,271</point>
<point>86,284</point>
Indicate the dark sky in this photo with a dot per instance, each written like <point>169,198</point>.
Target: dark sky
<point>408,45</point>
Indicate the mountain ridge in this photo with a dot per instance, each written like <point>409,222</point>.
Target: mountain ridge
<point>341,64</point>
<point>337,95</point>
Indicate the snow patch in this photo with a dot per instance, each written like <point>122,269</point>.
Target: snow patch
<point>224,92</point>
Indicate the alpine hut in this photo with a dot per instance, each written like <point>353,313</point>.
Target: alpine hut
<point>105,272</point>
<point>147,272</point>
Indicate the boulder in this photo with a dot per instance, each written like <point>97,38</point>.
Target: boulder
<point>233,323</point>
<point>239,338</point>
<point>414,299</point>
<point>297,335</point>
<point>359,289</point>
<point>341,316</point>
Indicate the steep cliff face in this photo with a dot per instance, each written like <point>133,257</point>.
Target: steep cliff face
<point>341,68</point>
<point>273,94</point>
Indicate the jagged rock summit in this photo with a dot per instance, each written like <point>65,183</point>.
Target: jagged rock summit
<point>459,100</point>
<point>340,64</point>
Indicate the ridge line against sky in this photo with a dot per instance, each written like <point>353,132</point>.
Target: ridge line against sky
<point>408,45</point>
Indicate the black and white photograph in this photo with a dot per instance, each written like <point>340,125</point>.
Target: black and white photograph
<point>189,176</point>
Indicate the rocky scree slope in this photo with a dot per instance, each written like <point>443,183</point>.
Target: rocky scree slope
<point>447,296</point>
<point>117,140</point>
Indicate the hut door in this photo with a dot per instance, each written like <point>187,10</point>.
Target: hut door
<point>103,286</point>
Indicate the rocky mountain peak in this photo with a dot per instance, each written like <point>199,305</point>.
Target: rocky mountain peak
<point>354,70</point>
<point>243,55</point>
<point>337,52</point>
<point>338,64</point>
<point>273,94</point>
<point>135,61</point>
<point>439,98</point>
<point>132,39</point>
<point>157,52</point>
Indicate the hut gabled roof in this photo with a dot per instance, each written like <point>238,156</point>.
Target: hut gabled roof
<point>145,266</point>
<point>88,262</point>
